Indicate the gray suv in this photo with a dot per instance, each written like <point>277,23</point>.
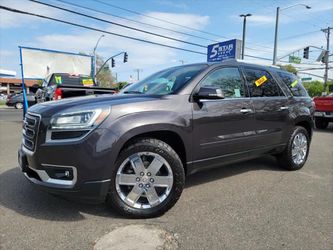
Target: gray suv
<point>134,150</point>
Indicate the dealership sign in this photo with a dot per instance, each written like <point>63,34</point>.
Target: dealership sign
<point>224,50</point>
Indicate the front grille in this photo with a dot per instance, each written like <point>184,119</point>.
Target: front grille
<point>30,131</point>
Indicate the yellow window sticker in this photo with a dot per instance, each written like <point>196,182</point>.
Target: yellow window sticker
<point>294,83</point>
<point>88,82</point>
<point>58,79</point>
<point>260,81</point>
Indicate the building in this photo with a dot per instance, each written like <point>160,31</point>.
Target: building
<point>13,85</point>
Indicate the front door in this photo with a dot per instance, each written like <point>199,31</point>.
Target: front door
<point>226,126</point>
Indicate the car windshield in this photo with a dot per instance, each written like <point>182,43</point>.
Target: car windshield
<point>165,82</point>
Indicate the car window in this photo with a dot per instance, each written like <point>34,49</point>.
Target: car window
<point>261,84</point>
<point>293,83</point>
<point>165,82</point>
<point>228,79</point>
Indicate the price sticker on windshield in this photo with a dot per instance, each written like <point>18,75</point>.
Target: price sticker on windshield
<point>260,81</point>
<point>87,82</point>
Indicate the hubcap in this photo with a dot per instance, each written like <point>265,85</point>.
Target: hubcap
<point>299,148</point>
<point>144,180</point>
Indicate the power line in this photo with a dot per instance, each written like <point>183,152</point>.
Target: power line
<point>99,30</point>
<point>117,24</point>
<point>169,22</point>
<point>121,25</point>
<point>158,19</point>
<point>135,21</point>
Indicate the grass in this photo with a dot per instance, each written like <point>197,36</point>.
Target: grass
<point>2,102</point>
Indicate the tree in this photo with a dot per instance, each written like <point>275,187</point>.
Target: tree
<point>104,78</point>
<point>314,88</point>
<point>290,68</point>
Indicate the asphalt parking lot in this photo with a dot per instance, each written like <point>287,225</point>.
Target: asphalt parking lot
<point>251,205</point>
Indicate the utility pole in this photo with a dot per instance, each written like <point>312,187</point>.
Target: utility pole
<point>244,30</point>
<point>327,33</point>
<point>138,74</point>
<point>95,58</point>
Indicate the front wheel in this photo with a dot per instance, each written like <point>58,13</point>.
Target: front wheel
<point>296,152</point>
<point>147,180</point>
<point>19,105</point>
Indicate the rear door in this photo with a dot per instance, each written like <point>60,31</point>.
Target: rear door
<point>270,105</point>
<point>224,126</point>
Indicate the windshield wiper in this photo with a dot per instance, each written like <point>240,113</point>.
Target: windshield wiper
<point>132,92</point>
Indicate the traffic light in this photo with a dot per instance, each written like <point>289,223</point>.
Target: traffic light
<point>324,59</point>
<point>113,63</point>
<point>306,53</point>
<point>125,57</point>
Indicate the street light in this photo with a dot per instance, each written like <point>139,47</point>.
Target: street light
<point>244,29</point>
<point>94,53</point>
<point>277,26</point>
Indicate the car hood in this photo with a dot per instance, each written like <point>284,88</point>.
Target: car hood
<point>50,108</point>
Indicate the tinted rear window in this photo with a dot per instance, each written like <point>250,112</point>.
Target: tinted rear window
<point>293,83</point>
<point>261,84</point>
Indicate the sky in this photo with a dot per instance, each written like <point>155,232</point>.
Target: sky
<point>209,21</point>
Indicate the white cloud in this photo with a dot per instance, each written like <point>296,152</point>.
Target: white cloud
<point>141,54</point>
<point>10,19</point>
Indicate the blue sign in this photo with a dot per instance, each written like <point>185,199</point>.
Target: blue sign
<point>224,50</point>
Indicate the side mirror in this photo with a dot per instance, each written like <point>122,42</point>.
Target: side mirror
<point>209,92</point>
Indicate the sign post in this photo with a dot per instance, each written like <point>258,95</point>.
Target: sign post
<point>25,101</point>
<point>219,52</point>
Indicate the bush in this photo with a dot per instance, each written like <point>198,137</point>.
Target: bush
<point>314,88</point>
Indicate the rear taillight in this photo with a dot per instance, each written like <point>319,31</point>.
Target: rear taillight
<point>57,94</point>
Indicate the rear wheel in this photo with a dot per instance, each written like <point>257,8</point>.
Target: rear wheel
<point>147,180</point>
<point>321,123</point>
<point>295,154</point>
<point>19,105</point>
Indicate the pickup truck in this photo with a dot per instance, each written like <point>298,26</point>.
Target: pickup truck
<point>57,86</point>
<point>324,111</point>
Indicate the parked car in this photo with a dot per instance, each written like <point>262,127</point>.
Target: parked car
<point>324,111</point>
<point>16,100</point>
<point>134,150</point>
<point>57,86</point>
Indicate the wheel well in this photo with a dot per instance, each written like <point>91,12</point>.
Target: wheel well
<point>169,137</point>
<point>305,125</point>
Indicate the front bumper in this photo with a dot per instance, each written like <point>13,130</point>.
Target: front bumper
<point>324,114</point>
<point>91,191</point>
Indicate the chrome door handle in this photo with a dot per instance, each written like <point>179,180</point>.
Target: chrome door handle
<point>244,111</point>
<point>284,108</point>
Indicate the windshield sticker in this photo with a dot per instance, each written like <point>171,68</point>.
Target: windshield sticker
<point>58,79</point>
<point>260,81</point>
<point>88,82</point>
<point>294,83</point>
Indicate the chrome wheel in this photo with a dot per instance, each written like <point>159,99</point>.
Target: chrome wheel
<point>144,180</point>
<point>299,148</point>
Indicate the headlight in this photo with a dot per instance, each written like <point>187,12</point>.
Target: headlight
<point>79,119</point>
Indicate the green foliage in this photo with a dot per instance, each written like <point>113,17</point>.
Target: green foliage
<point>121,85</point>
<point>290,68</point>
<point>104,78</point>
<point>314,88</point>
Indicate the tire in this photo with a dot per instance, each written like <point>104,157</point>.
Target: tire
<point>18,105</point>
<point>286,159</point>
<point>148,150</point>
<point>321,123</point>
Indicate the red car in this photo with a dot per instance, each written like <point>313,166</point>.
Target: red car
<point>324,111</point>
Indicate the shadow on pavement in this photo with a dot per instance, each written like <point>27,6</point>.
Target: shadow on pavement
<point>264,163</point>
<point>19,195</point>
